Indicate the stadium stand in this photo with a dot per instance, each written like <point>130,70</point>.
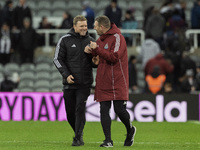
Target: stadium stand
<point>27,75</point>
<point>27,67</point>
<point>42,67</point>
<point>44,75</point>
<point>1,76</point>
<point>12,67</point>
<point>1,68</point>
<point>42,84</point>
<point>26,84</point>
<point>30,73</point>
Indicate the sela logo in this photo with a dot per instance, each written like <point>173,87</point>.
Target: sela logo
<point>145,111</point>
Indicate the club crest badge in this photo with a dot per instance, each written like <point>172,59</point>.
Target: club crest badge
<point>106,46</point>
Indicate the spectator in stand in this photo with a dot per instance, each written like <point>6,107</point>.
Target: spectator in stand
<point>167,9</point>
<point>195,17</point>
<point>188,84</point>
<point>67,21</point>
<point>88,13</point>
<point>165,65</point>
<point>155,26</point>
<point>197,79</point>
<point>132,74</point>
<point>21,11</point>
<point>176,24</point>
<point>6,44</point>
<point>186,64</point>
<point>7,13</point>
<point>114,13</point>
<point>155,81</point>
<point>182,10</point>
<point>147,13</point>
<point>129,23</point>
<point>45,24</point>
<point>27,42</point>
<point>198,67</point>
<point>149,49</point>
<point>168,88</point>
<point>9,83</point>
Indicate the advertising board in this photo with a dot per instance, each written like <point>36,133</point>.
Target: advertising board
<point>18,106</point>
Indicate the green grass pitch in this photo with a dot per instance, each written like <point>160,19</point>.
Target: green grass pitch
<point>38,135</point>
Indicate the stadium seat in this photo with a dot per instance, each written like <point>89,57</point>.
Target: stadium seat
<point>141,83</point>
<point>56,83</point>
<point>32,4</point>
<point>43,75</point>
<point>55,76</point>
<point>42,67</point>
<point>59,4</point>
<point>102,4</point>
<point>30,75</point>
<point>100,12</point>
<point>74,5</point>
<point>44,4</point>
<point>2,3</point>
<point>42,90</point>
<point>27,67</point>
<point>189,4</point>
<point>53,68</point>
<point>75,12</point>
<point>188,14</point>
<point>42,84</point>
<point>135,4</point>
<point>93,4</point>
<point>12,67</point>
<point>94,77</point>
<point>43,59</point>
<point>1,68</point>
<point>58,13</point>
<point>140,75</point>
<point>25,83</point>
<point>26,89</point>
<point>1,76</point>
<point>139,67</point>
<point>123,4</point>
<point>44,12</point>
<point>56,89</point>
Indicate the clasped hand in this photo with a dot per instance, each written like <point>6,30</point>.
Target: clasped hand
<point>88,49</point>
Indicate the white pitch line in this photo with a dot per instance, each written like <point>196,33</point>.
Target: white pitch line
<point>141,143</point>
<point>195,122</point>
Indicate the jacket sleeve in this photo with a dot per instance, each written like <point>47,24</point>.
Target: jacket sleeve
<point>115,53</point>
<point>59,59</point>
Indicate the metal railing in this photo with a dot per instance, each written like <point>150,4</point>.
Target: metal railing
<point>59,32</point>
<point>194,33</point>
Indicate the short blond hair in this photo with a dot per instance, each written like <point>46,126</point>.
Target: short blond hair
<point>78,18</point>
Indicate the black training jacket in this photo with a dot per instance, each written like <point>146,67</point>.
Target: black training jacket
<point>70,59</point>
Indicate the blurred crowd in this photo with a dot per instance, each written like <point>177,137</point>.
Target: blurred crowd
<point>164,54</point>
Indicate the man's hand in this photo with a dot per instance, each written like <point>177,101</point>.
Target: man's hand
<point>88,49</point>
<point>70,79</point>
<point>95,60</point>
<point>93,45</point>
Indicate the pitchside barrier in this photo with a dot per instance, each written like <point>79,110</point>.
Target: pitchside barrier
<point>37,106</point>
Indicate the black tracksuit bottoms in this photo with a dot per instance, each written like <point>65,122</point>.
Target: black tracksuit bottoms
<point>75,105</point>
<point>120,110</point>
